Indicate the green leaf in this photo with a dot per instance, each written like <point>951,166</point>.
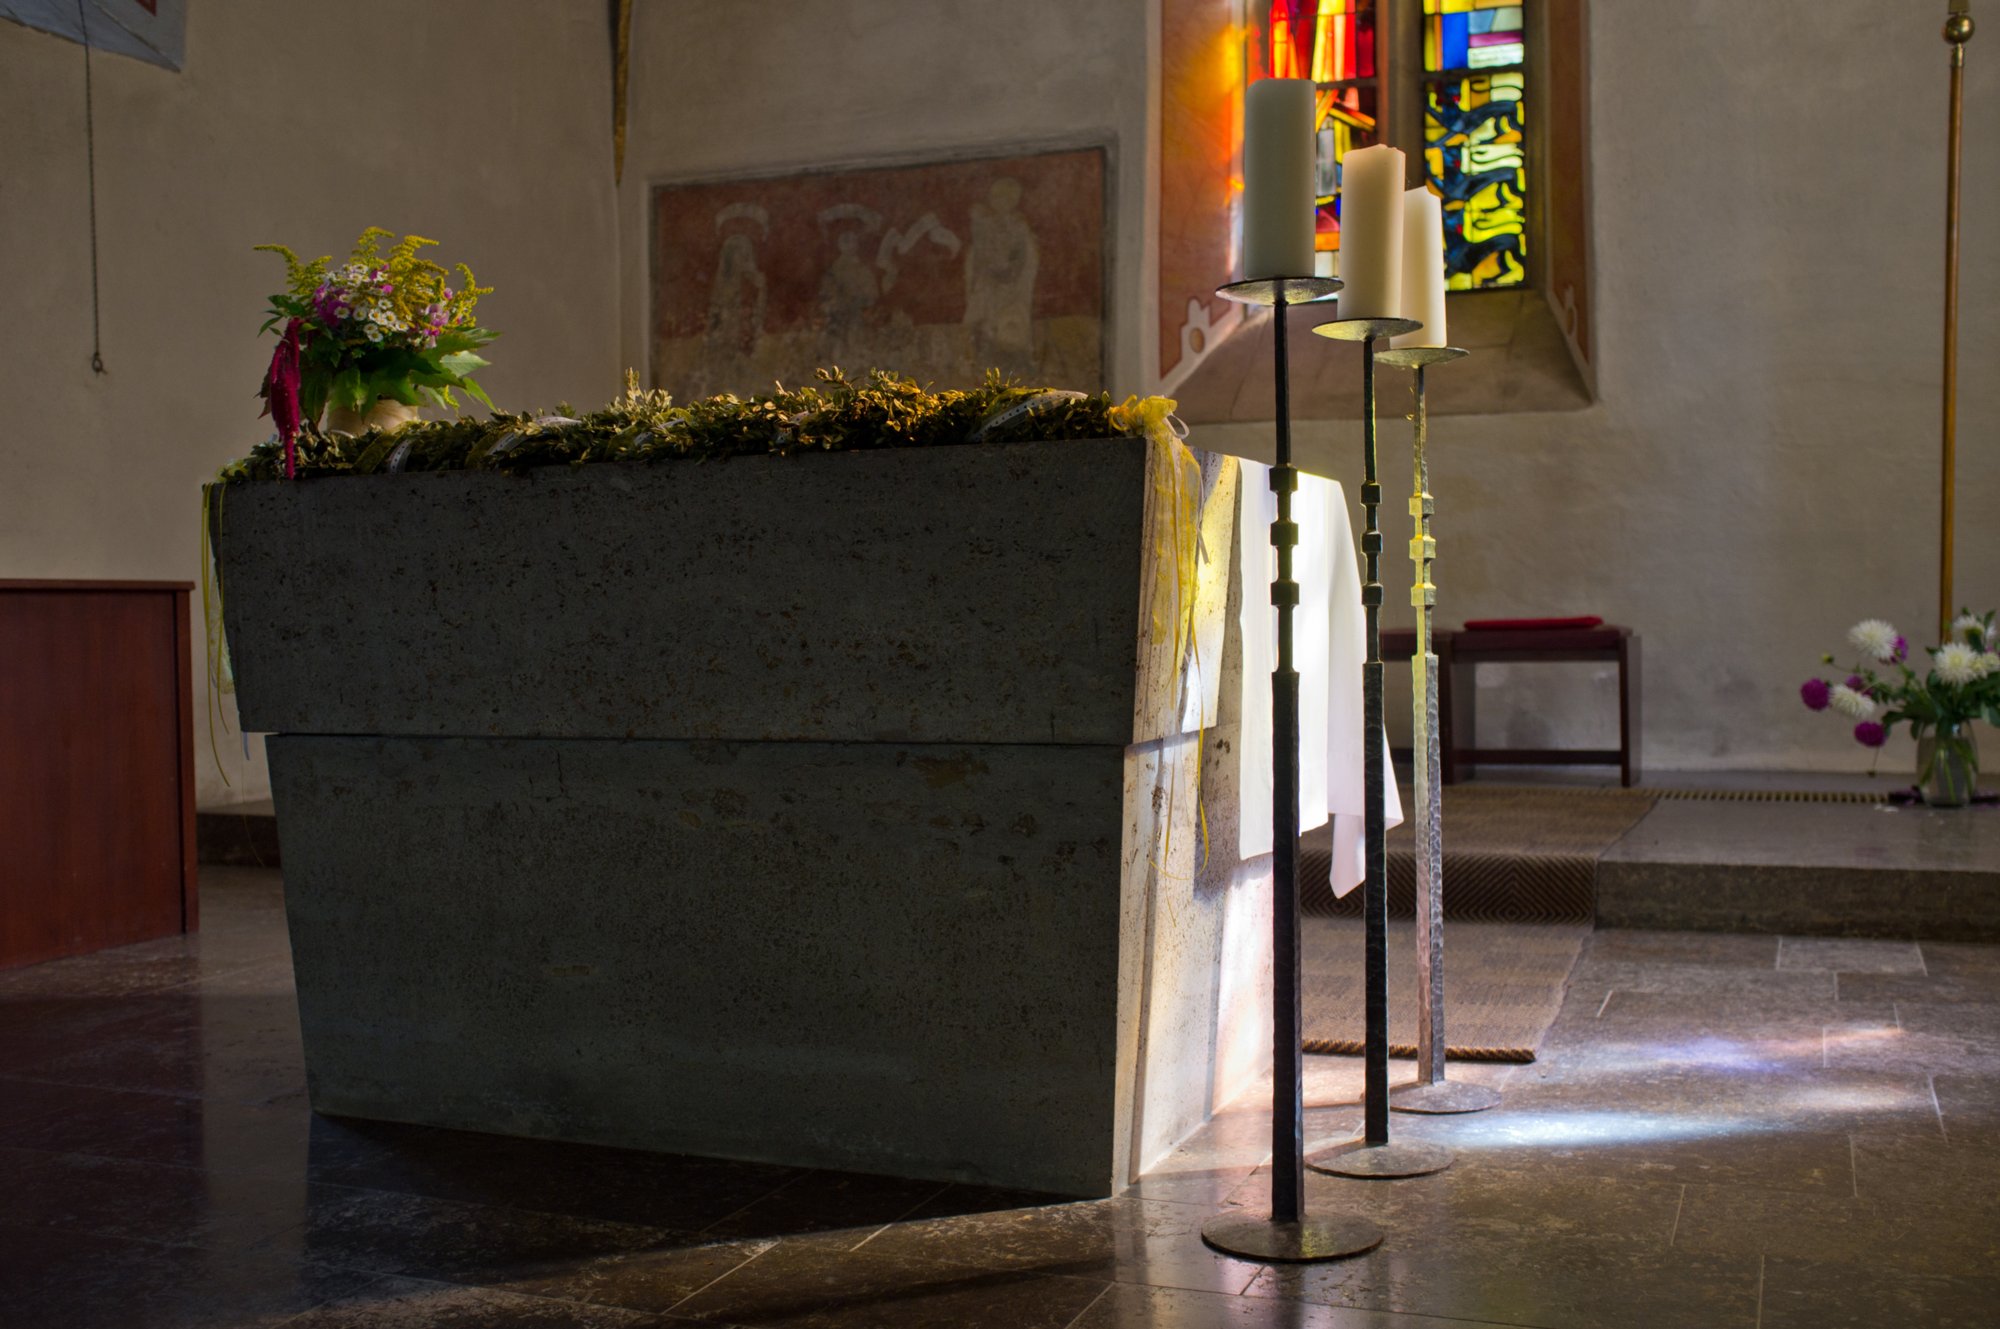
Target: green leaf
<point>479,394</point>
<point>462,363</point>
<point>348,389</point>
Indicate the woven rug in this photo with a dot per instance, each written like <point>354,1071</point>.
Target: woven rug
<point>1503,985</point>
<point>1511,854</point>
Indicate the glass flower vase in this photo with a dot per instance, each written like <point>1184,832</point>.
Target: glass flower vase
<point>1948,765</point>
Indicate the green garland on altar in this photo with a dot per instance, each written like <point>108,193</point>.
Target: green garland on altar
<point>832,414</point>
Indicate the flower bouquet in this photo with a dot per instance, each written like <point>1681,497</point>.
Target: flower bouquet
<point>379,328</point>
<point>1962,685</point>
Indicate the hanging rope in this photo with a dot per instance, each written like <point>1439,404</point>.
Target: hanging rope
<point>90,156</point>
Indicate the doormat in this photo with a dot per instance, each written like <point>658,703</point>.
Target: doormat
<point>1503,986</point>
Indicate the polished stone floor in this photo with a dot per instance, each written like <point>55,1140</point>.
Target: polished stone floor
<point>1722,1131</point>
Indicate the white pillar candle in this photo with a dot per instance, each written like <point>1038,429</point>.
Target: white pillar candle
<point>1278,178</point>
<point>1371,233</point>
<point>1423,268</point>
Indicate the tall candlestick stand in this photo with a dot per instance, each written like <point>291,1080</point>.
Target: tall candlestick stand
<point>1957,32</point>
<point>1373,1155</point>
<point>1432,1093</point>
<point>1289,1235</point>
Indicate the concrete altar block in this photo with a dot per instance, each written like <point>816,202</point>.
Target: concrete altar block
<point>834,810</point>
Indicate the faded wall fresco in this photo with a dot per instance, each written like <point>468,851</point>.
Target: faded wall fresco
<point>939,271</point>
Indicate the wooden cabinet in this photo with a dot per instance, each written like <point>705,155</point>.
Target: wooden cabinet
<point>97,843</point>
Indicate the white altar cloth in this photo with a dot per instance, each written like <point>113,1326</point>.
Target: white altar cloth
<point>1330,643</point>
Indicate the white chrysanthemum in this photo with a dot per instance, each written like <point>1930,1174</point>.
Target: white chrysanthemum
<point>1873,638</point>
<point>1989,663</point>
<point>1965,623</point>
<point>1957,663</point>
<point>1851,703</point>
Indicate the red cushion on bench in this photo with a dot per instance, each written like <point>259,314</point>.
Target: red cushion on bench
<point>1520,624</point>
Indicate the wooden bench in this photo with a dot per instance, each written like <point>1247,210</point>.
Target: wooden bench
<point>1458,698</point>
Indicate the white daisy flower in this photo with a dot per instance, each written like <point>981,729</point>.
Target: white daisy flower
<point>374,333</point>
<point>1852,703</point>
<point>1957,663</point>
<point>1873,638</point>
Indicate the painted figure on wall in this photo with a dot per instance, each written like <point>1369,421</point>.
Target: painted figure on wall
<point>940,272</point>
<point>1000,268</point>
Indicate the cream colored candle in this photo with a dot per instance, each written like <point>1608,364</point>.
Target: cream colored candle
<point>1278,178</point>
<point>1423,268</point>
<point>1371,233</point>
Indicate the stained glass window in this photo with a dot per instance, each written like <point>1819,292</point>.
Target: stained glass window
<point>1475,140</point>
<point>1332,42</point>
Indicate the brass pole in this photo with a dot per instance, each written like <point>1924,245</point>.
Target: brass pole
<point>1957,31</point>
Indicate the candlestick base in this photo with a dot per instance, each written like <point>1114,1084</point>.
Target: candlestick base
<point>1365,329</point>
<point>1297,290</point>
<point>1380,1162</point>
<point>1306,1241</point>
<point>1444,1097</point>
<point>1419,357</point>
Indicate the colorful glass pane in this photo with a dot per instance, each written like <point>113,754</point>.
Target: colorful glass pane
<point>1472,34</point>
<point>1337,41</point>
<point>1347,121</point>
<point>1475,156</point>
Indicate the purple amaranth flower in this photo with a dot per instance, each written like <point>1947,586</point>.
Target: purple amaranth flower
<point>1815,694</point>
<point>1860,685</point>
<point>1902,649</point>
<point>1869,734</point>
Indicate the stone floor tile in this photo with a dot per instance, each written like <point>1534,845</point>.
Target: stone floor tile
<point>960,1199</point>
<point>144,1201</point>
<point>1976,1021</point>
<point>1133,1306</point>
<point>825,1202</point>
<point>1722,1100</point>
<point>1767,1015</point>
<point>1526,1278</point>
<point>242,1048</point>
<point>1714,948</point>
<point>152,1128</point>
<point>1979,985</point>
<point>1811,1294</point>
<point>1967,1101</point>
<point>1960,1175</point>
<point>1654,1146</point>
<point>808,1284</point>
<point>1736,982</point>
<point>1850,955</point>
<point>1915,1051</point>
<point>1476,1199</point>
<point>1952,959</point>
<point>1926,1238</point>
<point>52,1278</point>
<point>1122,1240</point>
<point>407,1303</point>
<point>451,1241</point>
<point>654,1280</point>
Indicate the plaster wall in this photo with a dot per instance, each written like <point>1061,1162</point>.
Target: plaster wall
<point>717,92</point>
<point>482,123</point>
<point>1761,469</point>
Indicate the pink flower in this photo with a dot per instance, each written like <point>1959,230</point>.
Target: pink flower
<point>1869,734</point>
<point>1815,694</point>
